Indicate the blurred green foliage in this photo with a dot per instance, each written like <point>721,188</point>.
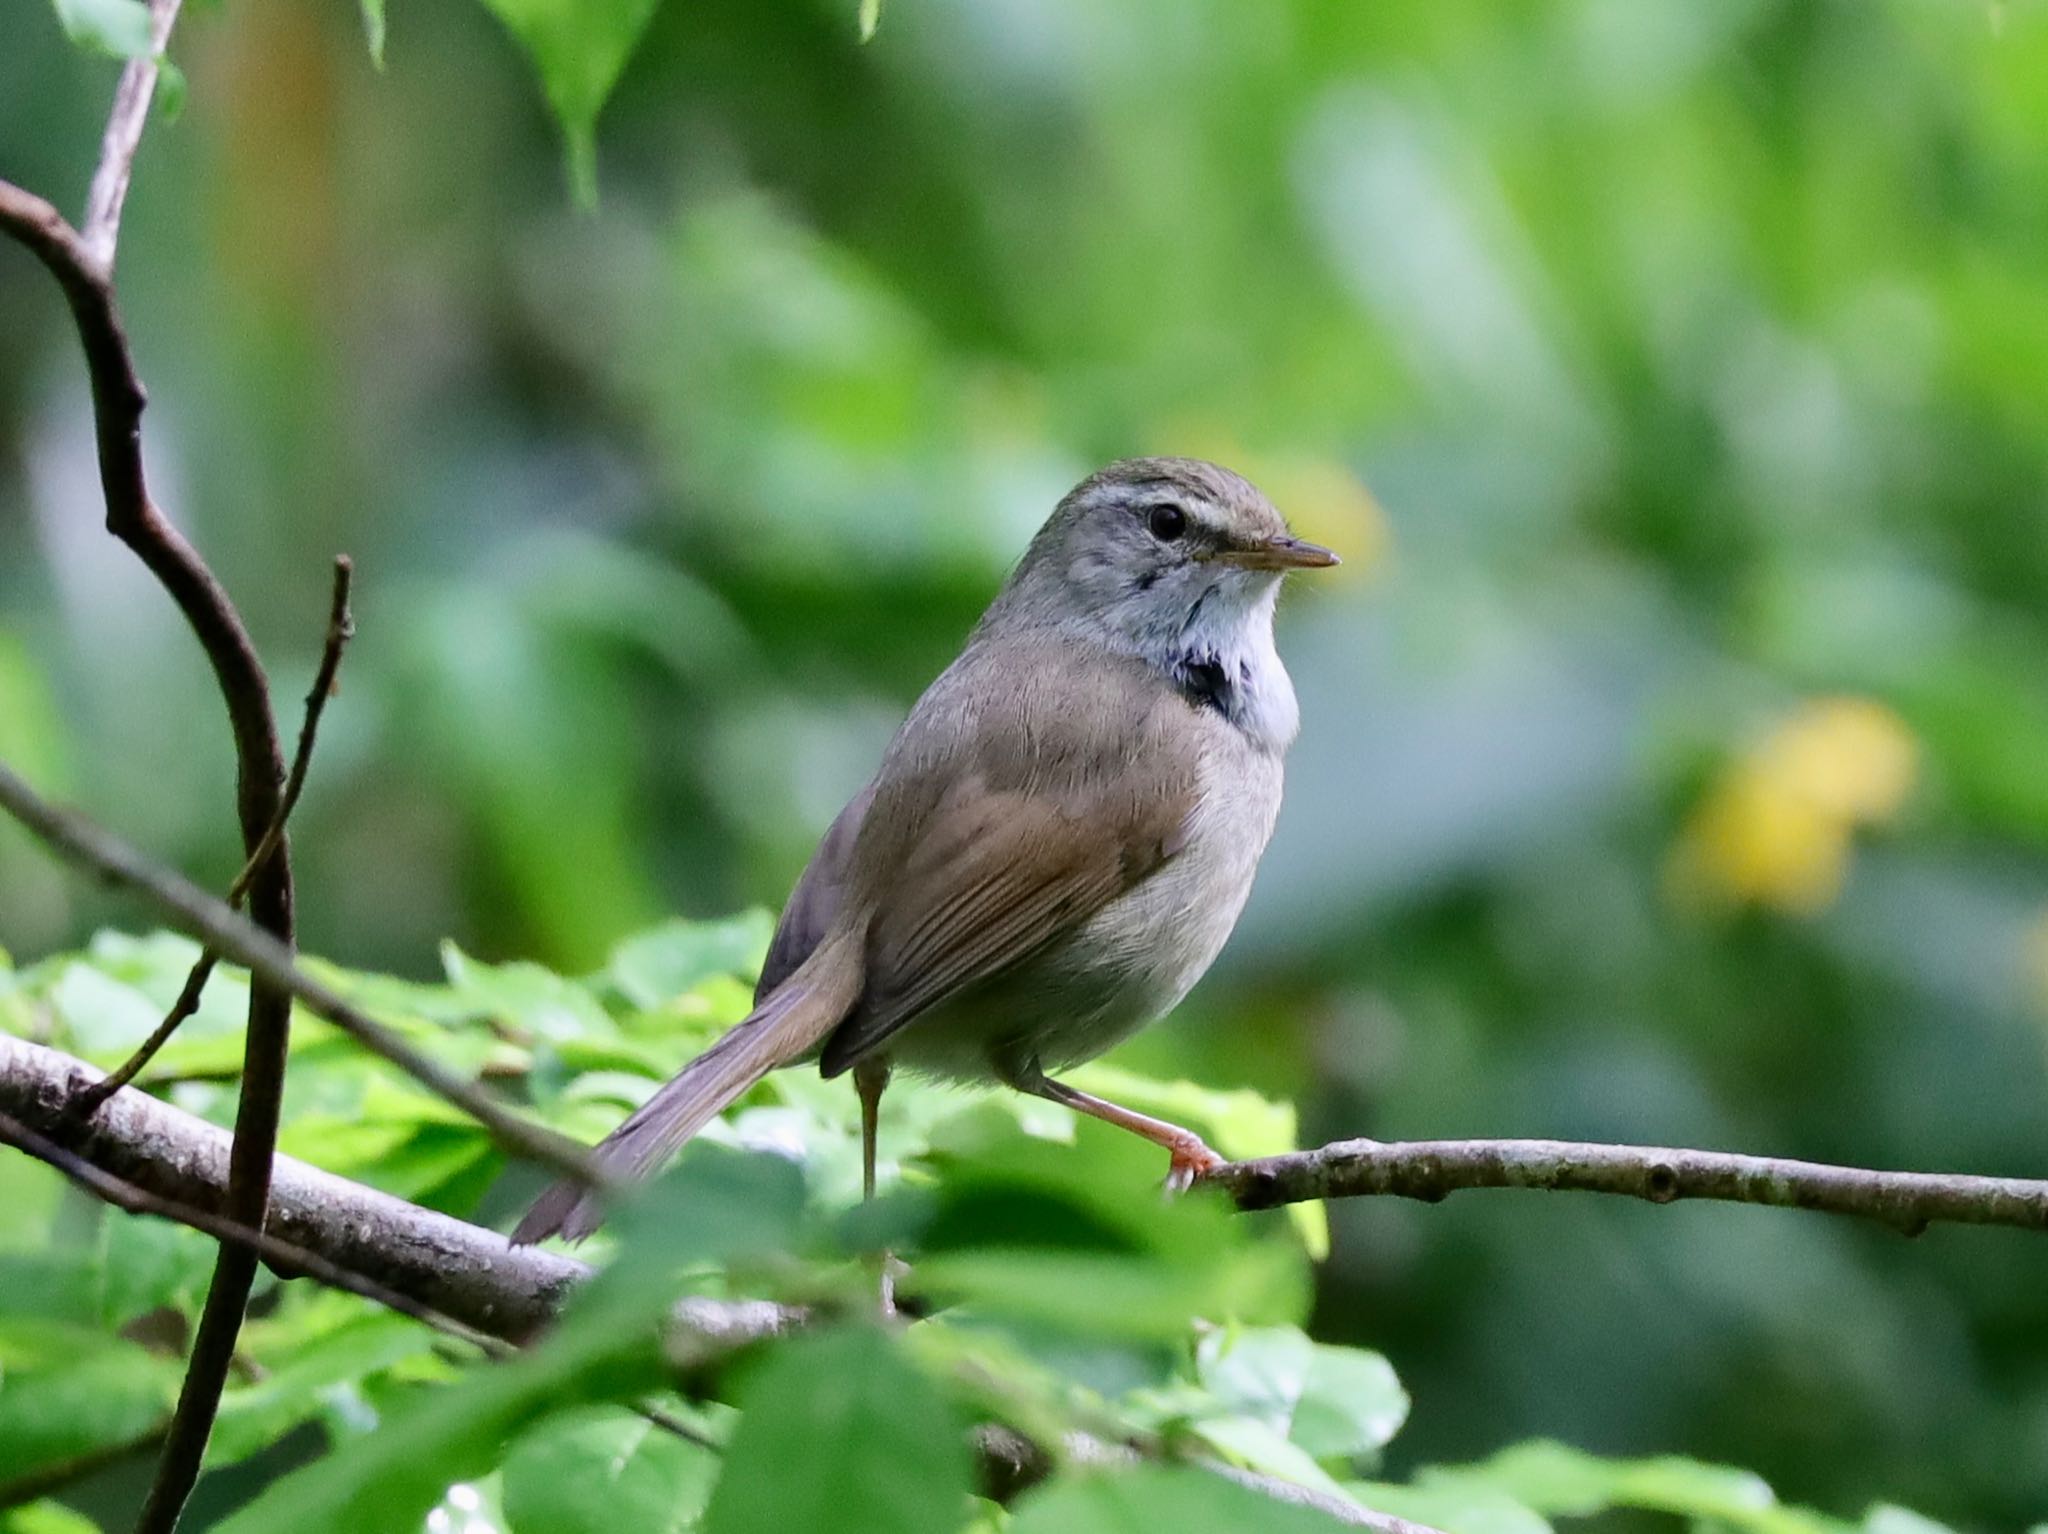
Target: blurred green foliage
<point>1070,1298</point>
<point>1677,373</point>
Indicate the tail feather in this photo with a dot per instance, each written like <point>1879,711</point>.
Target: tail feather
<point>790,1022</point>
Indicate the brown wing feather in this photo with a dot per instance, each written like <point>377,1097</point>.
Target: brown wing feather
<point>814,903</point>
<point>1080,792</point>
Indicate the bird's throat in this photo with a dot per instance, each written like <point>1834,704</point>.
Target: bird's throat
<point>1206,680</point>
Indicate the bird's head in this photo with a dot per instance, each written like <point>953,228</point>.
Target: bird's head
<point>1150,552</point>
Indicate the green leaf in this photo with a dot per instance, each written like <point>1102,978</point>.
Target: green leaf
<point>171,89</point>
<point>602,1469</point>
<point>32,729</point>
<point>1455,1506</point>
<point>101,1017</point>
<point>1885,1518</point>
<point>1145,1501</point>
<point>117,28</point>
<point>45,1517</point>
<point>115,995</point>
<point>656,966</point>
<point>1333,1402</point>
<point>1078,1238</point>
<point>29,1195</point>
<point>579,47</point>
<point>298,1385</point>
<point>144,1264</point>
<point>86,1392</point>
<point>1352,1404</point>
<point>1258,1446</point>
<point>1558,1481</point>
<point>870,18</point>
<point>840,1431</point>
<point>60,1285</point>
<point>526,995</point>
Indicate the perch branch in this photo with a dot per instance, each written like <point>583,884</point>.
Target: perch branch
<point>212,923</point>
<point>341,629</point>
<point>141,1153</point>
<point>1430,1169</point>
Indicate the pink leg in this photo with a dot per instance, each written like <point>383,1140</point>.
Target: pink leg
<point>1191,1158</point>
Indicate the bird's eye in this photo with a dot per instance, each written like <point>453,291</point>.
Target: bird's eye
<point>1166,523</point>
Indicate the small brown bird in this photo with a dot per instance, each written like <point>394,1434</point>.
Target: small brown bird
<point>1059,838</point>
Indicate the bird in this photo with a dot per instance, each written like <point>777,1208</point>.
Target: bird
<point>1059,838</point>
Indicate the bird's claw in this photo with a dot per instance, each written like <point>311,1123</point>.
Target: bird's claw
<point>1191,1159</point>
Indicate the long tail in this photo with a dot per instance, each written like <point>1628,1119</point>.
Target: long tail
<point>789,1023</point>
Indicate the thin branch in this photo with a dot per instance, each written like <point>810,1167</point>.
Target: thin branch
<point>212,923</point>
<point>83,267</point>
<point>340,629</point>
<point>474,1276</point>
<point>1342,1509</point>
<point>1430,1169</point>
<point>124,133</point>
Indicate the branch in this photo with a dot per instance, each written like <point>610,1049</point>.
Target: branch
<point>272,963</point>
<point>454,1268</point>
<point>1429,1169</point>
<point>124,132</point>
<point>341,629</point>
<point>141,1153</point>
<point>283,1256</point>
<point>83,266</point>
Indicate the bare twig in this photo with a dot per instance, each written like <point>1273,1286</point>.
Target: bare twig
<point>340,629</point>
<point>1430,1169</point>
<point>210,921</point>
<point>125,122</point>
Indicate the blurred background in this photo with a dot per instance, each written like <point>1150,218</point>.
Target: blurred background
<point>1673,377</point>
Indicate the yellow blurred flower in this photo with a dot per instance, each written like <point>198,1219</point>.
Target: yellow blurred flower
<point>1853,758</point>
<point>1777,828</point>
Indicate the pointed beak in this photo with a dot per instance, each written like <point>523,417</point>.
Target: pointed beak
<point>1280,553</point>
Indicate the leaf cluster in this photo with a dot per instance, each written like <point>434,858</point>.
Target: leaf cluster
<point>1057,1294</point>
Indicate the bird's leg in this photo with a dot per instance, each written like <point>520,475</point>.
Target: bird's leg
<point>1191,1157</point>
<point>870,1080</point>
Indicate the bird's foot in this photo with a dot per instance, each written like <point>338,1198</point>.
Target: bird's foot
<point>886,1272</point>
<point>1191,1159</point>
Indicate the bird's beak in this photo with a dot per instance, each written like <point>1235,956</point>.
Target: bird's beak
<point>1280,553</point>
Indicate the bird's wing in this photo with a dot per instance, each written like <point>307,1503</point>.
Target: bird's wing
<point>1033,807</point>
<point>816,899</point>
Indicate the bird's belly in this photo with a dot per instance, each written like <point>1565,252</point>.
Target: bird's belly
<point>1123,968</point>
